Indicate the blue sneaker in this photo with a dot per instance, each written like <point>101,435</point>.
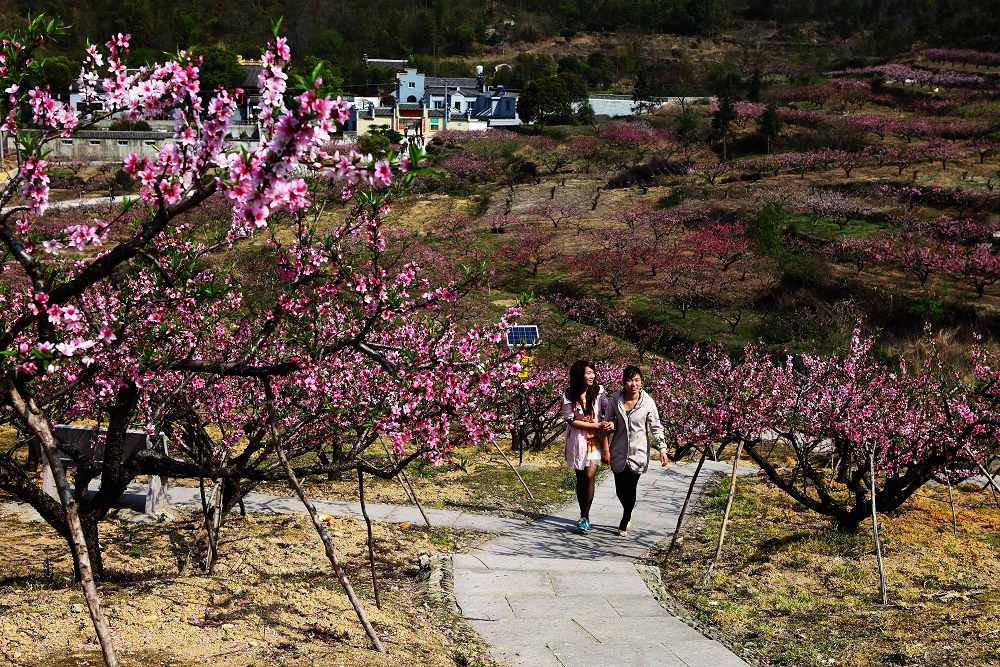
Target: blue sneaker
<point>583,525</point>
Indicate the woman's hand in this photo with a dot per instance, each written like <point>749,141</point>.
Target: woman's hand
<point>607,427</point>
<point>664,459</point>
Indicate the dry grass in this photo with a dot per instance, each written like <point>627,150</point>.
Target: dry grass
<point>475,479</point>
<point>273,599</point>
<point>797,592</point>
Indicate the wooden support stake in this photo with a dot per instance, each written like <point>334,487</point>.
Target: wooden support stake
<point>511,466</point>
<point>371,539</point>
<point>413,494</point>
<point>687,498</point>
<point>331,550</point>
<point>951,501</point>
<point>878,542</point>
<point>725,517</point>
<point>408,489</point>
<point>989,478</point>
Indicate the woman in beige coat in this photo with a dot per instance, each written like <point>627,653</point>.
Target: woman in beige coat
<point>636,428</point>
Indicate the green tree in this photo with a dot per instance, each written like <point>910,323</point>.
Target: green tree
<point>755,86</point>
<point>219,67</point>
<point>600,69</point>
<point>58,73</point>
<point>723,78</point>
<point>545,100</point>
<point>373,144</point>
<point>722,119</point>
<point>769,124</point>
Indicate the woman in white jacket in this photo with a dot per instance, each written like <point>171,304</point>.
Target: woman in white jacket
<point>635,419</point>
<point>583,407</point>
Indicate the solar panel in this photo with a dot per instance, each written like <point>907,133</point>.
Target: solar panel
<point>522,335</point>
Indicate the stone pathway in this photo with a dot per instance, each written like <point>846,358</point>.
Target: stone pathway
<point>546,595</point>
<point>540,593</point>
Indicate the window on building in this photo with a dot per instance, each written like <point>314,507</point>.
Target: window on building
<point>122,142</point>
<point>66,142</point>
<point>412,84</point>
<point>458,106</point>
<point>411,98</point>
<point>439,105</point>
<point>94,142</point>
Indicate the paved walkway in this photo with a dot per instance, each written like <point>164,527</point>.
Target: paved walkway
<point>186,497</point>
<point>546,595</point>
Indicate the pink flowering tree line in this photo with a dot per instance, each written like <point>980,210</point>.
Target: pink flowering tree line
<point>135,321</point>
<point>856,428</point>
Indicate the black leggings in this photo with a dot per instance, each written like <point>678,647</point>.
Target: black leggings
<point>585,482</point>
<point>626,483</point>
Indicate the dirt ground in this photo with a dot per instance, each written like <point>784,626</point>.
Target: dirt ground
<point>272,599</point>
<point>797,592</point>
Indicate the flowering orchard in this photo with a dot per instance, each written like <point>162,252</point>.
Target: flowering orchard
<point>835,417</point>
<point>135,320</point>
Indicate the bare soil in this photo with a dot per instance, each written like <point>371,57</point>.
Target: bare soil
<point>273,598</point>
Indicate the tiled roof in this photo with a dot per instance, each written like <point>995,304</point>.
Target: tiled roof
<point>440,90</point>
<point>452,81</point>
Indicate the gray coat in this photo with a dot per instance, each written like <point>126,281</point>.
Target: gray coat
<point>630,443</point>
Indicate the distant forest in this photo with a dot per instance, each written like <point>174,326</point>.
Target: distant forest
<point>340,32</point>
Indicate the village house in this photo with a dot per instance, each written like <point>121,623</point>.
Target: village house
<point>452,102</point>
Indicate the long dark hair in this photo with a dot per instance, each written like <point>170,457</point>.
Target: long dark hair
<point>577,384</point>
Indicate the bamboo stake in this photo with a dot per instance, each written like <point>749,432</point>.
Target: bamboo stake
<point>687,498</point>
<point>416,501</point>
<point>371,539</point>
<point>331,550</point>
<point>989,478</point>
<point>408,489</point>
<point>40,427</point>
<point>878,542</point>
<point>725,517</point>
<point>951,502</point>
<point>511,466</point>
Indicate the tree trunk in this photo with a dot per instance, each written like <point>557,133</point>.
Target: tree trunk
<point>91,532</point>
<point>39,426</point>
<point>371,538</point>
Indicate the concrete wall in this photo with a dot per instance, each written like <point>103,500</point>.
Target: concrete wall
<point>112,148</point>
<point>104,150</point>
<point>614,106</point>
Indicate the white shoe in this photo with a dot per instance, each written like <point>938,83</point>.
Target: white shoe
<point>622,532</point>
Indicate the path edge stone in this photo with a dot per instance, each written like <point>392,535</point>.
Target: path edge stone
<point>439,577</point>
<point>650,573</point>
